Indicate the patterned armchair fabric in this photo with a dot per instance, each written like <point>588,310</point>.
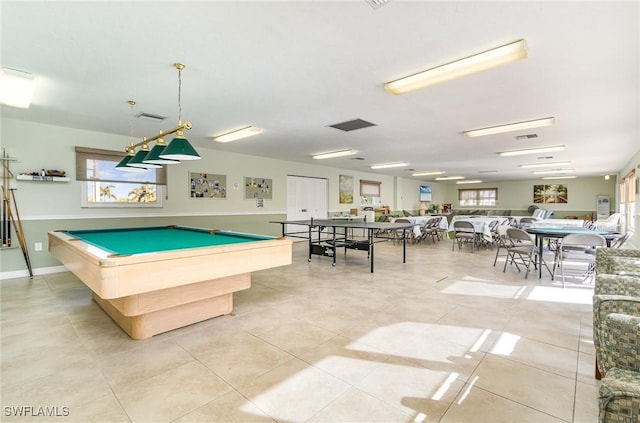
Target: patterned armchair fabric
<point>616,261</point>
<point>608,348</point>
<point>620,388</point>
<point>616,333</point>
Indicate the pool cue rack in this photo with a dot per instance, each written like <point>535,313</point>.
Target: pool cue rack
<point>9,213</point>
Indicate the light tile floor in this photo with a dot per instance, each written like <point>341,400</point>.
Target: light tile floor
<point>446,337</point>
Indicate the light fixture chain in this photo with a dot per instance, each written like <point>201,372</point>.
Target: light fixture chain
<point>179,96</point>
<point>131,121</point>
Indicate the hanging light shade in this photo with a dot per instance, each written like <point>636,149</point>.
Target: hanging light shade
<point>154,154</point>
<point>137,159</point>
<point>123,164</point>
<point>180,149</point>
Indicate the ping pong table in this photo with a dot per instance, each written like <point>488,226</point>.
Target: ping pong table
<point>338,235</point>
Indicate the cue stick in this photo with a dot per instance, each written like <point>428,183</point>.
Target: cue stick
<point>20,234</point>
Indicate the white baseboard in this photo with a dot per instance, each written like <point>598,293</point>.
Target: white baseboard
<point>36,272</point>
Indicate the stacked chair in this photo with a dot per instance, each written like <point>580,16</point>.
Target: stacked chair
<point>616,333</point>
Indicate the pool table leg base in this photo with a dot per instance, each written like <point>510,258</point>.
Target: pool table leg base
<point>143,315</point>
<point>146,325</point>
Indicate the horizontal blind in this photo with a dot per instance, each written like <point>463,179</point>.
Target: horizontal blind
<point>88,169</point>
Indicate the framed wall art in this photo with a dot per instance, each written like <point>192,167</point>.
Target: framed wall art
<point>346,189</point>
<point>258,188</point>
<point>208,185</point>
<point>550,194</point>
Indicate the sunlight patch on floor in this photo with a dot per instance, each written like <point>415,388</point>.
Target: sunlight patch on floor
<point>561,295</point>
<point>506,344</point>
<point>482,287</point>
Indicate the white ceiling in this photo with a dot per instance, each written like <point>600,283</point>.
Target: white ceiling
<point>293,68</point>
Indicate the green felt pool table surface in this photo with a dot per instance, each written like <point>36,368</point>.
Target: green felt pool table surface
<point>142,240</point>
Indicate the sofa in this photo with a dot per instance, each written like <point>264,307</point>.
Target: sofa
<point>616,333</point>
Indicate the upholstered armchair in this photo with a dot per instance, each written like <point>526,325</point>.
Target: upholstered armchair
<point>616,333</point>
<point>620,388</point>
<point>617,261</point>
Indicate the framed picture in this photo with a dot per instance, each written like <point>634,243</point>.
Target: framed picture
<point>346,189</point>
<point>258,188</point>
<point>425,193</point>
<point>550,194</point>
<point>208,185</point>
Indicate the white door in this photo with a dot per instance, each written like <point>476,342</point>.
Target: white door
<point>306,198</point>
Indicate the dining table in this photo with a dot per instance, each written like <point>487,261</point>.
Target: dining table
<point>541,233</point>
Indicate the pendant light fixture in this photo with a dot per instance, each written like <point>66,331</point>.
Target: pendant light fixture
<point>161,153</point>
<point>130,149</point>
<point>179,148</point>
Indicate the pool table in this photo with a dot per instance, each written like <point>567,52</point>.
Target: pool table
<point>151,280</point>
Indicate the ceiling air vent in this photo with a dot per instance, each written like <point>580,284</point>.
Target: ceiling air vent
<point>526,137</point>
<point>357,158</point>
<point>352,125</point>
<point>150,116</point>
<point>376,4</point>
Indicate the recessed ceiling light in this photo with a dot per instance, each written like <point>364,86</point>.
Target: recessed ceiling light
<point>469,182</point>
<point>534,165</point>
<point>559,177</point>
<point>517,126</point>
<point>238,134</point>
<point>332,154</point>
<point>388,165</point>
<point>449,178</point>
<point>532,151</point>
<point>428,172</point>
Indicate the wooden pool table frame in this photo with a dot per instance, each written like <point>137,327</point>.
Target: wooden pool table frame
<point>147,294</point>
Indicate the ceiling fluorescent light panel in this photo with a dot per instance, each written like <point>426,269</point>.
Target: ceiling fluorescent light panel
<point>428,173</point>
<point>449,178</point>
<point>531,151</point>
<point>238,134</point>
<point>559,177</point>
<point>536,165</point>
<point>510,127</point>
<point>332,154</point>
<point>16,88</point>
<point>459,68</point>
<point>389,165</point>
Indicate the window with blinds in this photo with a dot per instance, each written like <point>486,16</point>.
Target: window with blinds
<point>628,191</point>
<point>485,197</point>
<point>105,186</point>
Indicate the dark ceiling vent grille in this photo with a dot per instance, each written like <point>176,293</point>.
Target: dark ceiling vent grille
<point>352,125</point>
<point>526,137</point>
<point>357,158</point>
<point>150,116</point>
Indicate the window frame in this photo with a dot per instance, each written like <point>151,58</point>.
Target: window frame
<point>628,190</point>
<point>477,198</point>
<point>121,180</point>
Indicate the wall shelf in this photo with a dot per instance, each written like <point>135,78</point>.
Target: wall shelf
<point>43,178</point>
